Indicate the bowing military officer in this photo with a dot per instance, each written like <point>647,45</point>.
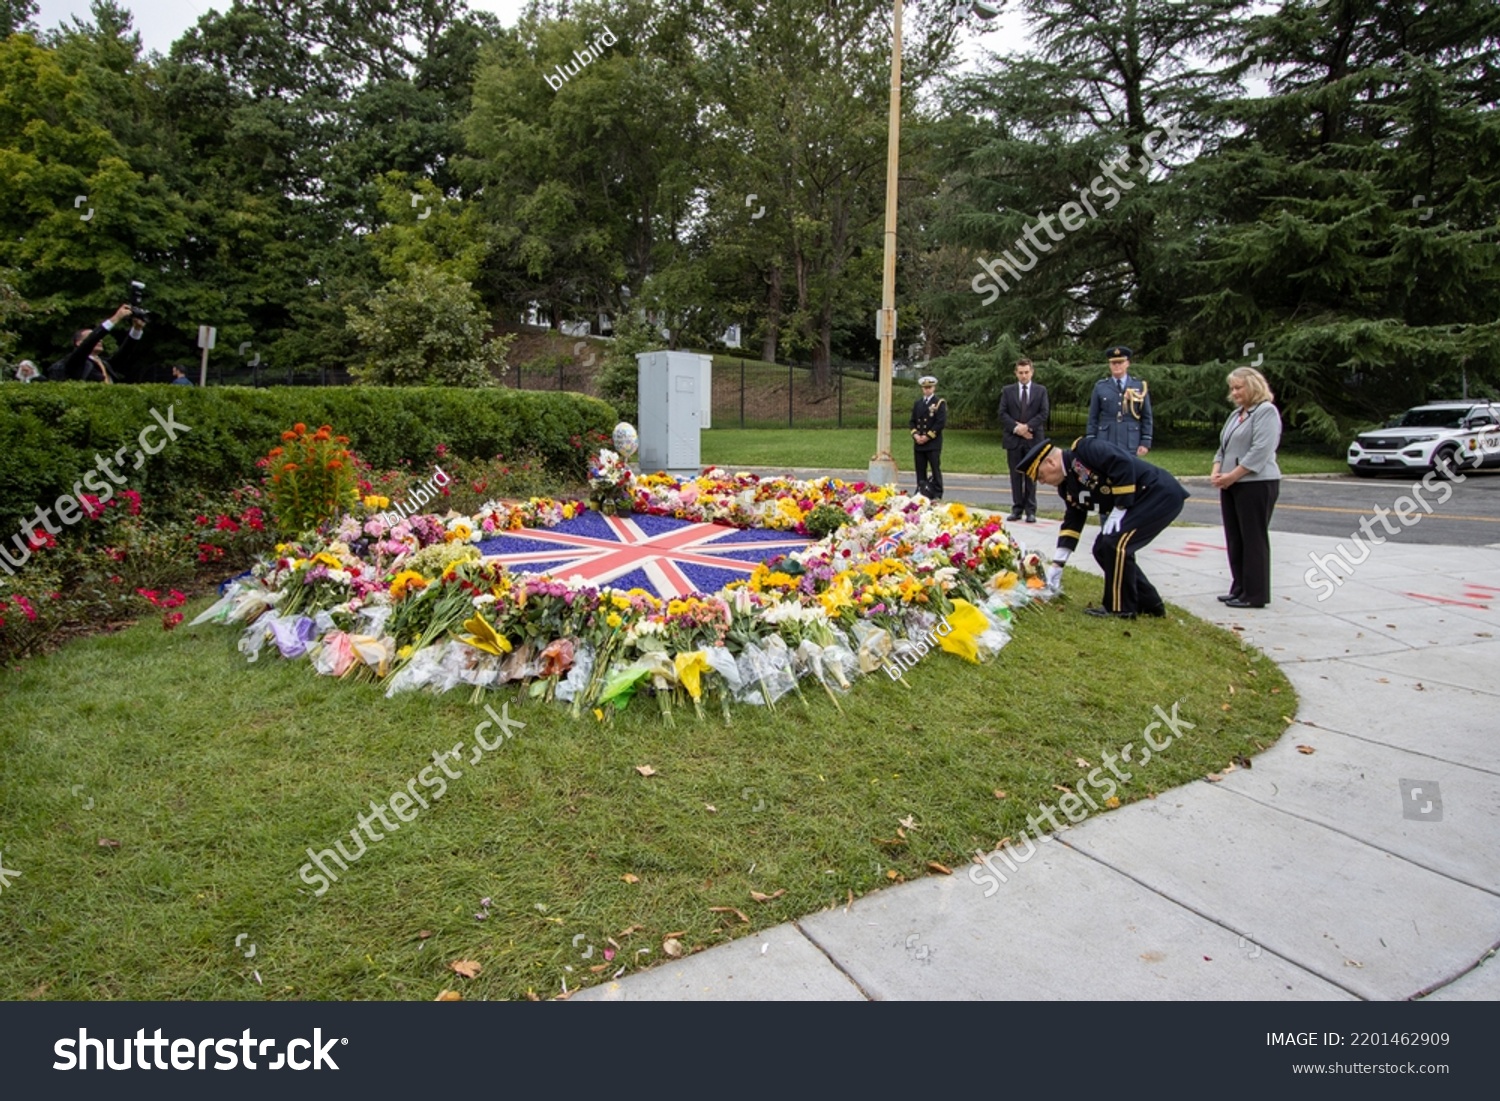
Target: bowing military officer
<point>1136,501</point>
<point>1120,406</point>
<point>929,416</point>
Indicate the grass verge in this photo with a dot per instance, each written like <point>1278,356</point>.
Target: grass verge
<point>158,796</point>
<point>965,451</point>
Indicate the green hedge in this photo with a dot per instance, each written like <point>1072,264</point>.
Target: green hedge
<point>50,433</point>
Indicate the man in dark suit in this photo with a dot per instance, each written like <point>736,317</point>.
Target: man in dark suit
<point>1024,407</point>
<point>1136,502</point>
<point>85,363</point>
<point>1120,406</point>
<point>929,416</point>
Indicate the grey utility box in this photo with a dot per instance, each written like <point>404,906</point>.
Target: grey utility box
<point>675,388</point>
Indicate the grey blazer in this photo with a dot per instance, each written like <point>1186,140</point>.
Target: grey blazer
<point>1251,443</point>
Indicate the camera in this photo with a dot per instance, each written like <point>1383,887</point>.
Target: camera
<point>138,312</point>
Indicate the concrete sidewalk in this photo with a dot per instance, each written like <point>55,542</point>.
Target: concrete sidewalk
<point>1309,876</point>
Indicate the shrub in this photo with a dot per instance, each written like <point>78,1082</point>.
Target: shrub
<point>51,433</point>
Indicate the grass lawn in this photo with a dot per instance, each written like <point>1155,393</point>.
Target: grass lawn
<point>158,793</point>
<point>965,451</point>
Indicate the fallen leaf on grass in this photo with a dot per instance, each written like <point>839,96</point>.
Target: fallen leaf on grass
<point>630,930</point>
<point>941,869</point>
<point>1227,769</point>
<point>449,996</point>
<point>730,910</point>
<point>1213,777</point>
<point>894,875</point>
<point>910,821</point>
<point>645,770</point>
<point>1081,763</point>
<point>710,808</point>
<point>1112,802</point>
<point>1275,691</point>
<point>108,843</point>
<point>767,898</point>
<point>1062,787</point>
<point>672,948</point>
<point>598,967</point>
<point>891,842</point>
<point>423,934</point>
<point>1231,689</point>
<point>467,968</point>
<point>1307,749</point>
<point>630,877</point>
<point>1243,761</point>
<point>1286,719</point>
<point>1000,794</point>
<point>1223,707</point>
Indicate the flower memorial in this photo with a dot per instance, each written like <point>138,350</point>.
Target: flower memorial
<point>417,603</point>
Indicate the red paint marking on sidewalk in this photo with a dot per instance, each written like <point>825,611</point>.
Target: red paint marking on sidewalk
<point>1446,600</point>
<point>1190,549</point>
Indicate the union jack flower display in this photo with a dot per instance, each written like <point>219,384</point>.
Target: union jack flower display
<point>662,555</point>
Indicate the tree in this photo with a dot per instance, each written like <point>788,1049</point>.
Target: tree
<point>428,329</point>
<point>1357,245</point>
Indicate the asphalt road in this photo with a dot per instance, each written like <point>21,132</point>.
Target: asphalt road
<point>1330,505</point>
<point>1327,505</point>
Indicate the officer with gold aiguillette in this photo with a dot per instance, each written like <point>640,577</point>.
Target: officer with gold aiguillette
<point>929,417</point>
<point>1120,406</point>
<point>1136,502</point>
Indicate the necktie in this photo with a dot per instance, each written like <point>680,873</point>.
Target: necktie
<point>1121,384</point>
<point>1025,396</point>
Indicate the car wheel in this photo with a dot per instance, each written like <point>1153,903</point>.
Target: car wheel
<point>1446,464</point>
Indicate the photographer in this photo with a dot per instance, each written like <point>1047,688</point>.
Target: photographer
<point>85,363</point>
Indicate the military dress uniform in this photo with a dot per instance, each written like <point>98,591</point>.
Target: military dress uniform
<point>1100,475</point>
<point>929,416</point>
<point>1120,410</point>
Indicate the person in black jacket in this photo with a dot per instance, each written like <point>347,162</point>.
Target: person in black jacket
<point>1023,415</point>
<point>85,363</point>
<point>1136,502</point>
<point>929,416</point>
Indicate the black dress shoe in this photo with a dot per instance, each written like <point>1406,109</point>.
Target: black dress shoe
<point>1105,613</point>
<point>1158,612</point>
<point>1227,597</point>
<point>1031,517</point>
<point>1241,602</point>
<point>1014,516</point>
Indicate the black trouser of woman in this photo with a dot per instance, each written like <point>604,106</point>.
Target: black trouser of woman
<point>1246,508</point>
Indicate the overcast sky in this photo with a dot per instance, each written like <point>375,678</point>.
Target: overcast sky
<point>161,22</point>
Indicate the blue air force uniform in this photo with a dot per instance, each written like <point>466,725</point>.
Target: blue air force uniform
<point>1100,475</point>
<point>1120,409</point>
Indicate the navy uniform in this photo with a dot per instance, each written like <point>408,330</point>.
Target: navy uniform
<point>1120,409</point>
<point>929,417</point>
<point>1136,502</point>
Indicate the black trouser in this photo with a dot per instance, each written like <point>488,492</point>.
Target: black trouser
<point>1125,586</point>
<point>929,484</point>
<point>1246,508</point>
<point>1022,488</point>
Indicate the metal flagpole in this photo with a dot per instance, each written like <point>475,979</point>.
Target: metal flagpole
<point>882,466</point>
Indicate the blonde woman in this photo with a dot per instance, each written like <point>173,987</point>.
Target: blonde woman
<point>1248,480</point>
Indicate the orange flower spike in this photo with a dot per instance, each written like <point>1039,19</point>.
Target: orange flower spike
<point>299,428</point>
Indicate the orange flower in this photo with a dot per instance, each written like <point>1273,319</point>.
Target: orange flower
<point>289,436</point>
<point>299,428</point>
<point>276,451</point>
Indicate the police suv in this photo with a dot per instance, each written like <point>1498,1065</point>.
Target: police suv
<point>1429,437</point>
